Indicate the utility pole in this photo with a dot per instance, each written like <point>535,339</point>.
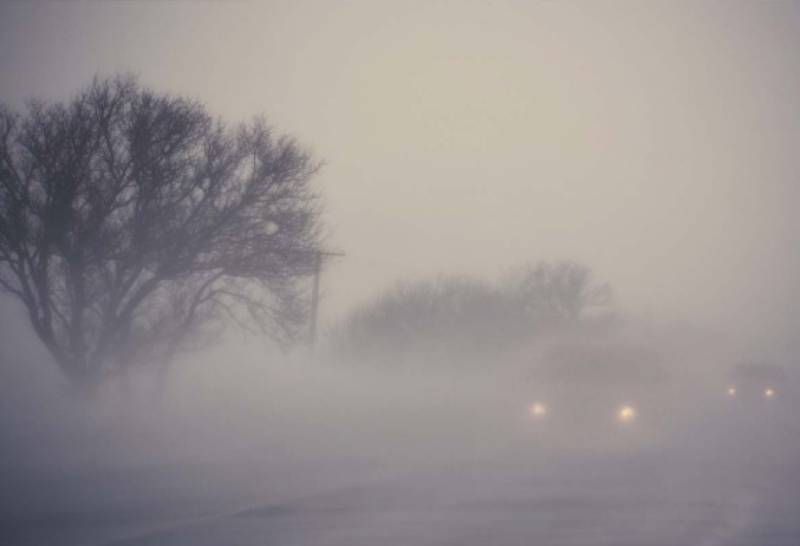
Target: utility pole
<point>312,331</point>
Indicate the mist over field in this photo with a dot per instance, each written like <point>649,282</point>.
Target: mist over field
<point>427,273</point>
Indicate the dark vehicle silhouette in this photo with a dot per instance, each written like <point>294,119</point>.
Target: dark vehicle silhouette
<point>756,381</point>
<point>600,394</point>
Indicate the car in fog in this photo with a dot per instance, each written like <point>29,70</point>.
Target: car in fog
<point>756,408</point>
<point>602,394</point>
<point>756,381</point>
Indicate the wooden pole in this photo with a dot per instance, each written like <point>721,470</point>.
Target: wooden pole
<point>312,330</point>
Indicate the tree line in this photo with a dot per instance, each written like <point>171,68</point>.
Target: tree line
<point>462,318</point>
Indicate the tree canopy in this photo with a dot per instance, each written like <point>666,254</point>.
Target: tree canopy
<point>134,224</point>
<point>464,318</point>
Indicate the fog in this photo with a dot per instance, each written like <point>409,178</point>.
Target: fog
<point>650,143</point>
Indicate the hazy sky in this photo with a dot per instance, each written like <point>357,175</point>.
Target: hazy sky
<point>656,142</point>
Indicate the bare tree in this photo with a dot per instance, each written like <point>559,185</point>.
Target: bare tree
<point>133,224</point>
<point>459,318</point>
<point>559,292</point>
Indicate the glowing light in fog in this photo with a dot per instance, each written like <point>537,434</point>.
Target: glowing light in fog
<point>626,414</point>
<point>769,393</point>
<point>732,391</point>
<point>537,410</point>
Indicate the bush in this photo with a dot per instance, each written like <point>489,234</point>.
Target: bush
<point>463,319</point>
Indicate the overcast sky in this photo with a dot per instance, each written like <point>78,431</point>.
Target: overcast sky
<point>655,142</point>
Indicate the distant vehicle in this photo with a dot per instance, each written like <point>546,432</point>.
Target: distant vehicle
<point>594,393</point>
<point>756,381</point>
<point>756,406</point>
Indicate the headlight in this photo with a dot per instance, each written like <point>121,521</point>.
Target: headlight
<point>626,414</point>
<point>731,391</point>
<point>769,393</point>
<point>537,410</point>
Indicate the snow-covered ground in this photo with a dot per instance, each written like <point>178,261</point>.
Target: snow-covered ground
<point>437,464</point>
<point>571,499</point>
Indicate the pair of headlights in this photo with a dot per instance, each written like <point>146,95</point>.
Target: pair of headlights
<point>624,414</point>
<point>769,392</point>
